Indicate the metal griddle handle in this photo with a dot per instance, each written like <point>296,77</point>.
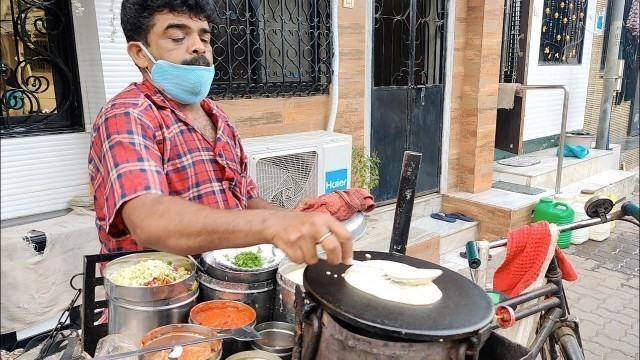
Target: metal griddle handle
<point>308,326</point>
<point>312,337</point>
<point>404,204</point>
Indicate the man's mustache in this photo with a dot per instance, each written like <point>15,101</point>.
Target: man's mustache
<point>198,60</point>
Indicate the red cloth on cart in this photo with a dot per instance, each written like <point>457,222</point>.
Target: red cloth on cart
<point>340,204</point>
<point>527,248</point>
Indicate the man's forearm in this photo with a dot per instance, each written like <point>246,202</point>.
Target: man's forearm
<point>258,203</point>
<point>179,226</point>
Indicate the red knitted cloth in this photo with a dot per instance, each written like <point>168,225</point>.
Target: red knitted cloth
<point>527,249</point>
<point>341,204</point>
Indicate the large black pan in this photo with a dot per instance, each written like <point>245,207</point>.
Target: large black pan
<point>463,310</point>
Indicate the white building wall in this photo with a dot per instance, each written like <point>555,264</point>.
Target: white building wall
<point>40,174</point>
<point>118,70</point>
<point>543,110</point>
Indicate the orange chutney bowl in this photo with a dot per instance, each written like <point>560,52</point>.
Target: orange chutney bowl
<point>223,314</point>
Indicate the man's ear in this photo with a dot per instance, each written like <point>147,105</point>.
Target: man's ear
<point>139,56</point>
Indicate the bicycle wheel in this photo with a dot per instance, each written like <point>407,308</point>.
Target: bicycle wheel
<point>562,344</point>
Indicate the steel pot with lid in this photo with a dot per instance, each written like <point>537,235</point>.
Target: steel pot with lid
<point>134,310</point>
<point>340,320</point>
<point>254,287</point>
<point>149,293</point>
<point>288,277</point>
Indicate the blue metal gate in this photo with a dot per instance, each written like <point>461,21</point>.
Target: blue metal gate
<point>407,96</point>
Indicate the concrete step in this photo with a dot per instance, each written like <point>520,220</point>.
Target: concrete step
<point>452,235</point>
<point>428,237</point>
<point>617,182</point>
<point>543,175</point>
<point>498,211</point>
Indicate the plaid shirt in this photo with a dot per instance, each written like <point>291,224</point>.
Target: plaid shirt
<point>142,143</point>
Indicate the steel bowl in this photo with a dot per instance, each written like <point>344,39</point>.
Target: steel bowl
<point>178,333</point>
<point>356,225</point>
<point>219,272</point>
<point>254,355</point>
<point>276,338</point>
<point>149,293</point>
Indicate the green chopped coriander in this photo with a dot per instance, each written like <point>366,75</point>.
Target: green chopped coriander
<point>248,260</point>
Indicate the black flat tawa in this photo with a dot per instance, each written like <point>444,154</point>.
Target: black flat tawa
<point>463,310</point>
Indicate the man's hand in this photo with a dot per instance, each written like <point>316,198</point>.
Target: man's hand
<point>297,234</point>
<point>164,222</point>
<point>302,203</point>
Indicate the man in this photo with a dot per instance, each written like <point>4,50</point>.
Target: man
<point>167,167</point>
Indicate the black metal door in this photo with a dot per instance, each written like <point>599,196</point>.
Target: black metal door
<point>407,96</point>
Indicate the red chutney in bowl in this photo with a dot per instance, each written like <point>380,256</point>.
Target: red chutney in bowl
<point>223,314</point>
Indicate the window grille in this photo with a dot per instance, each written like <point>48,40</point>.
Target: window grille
<point>408,42</point>
<point>270,48</point>
<point>562,32</point>
<point>511,41</point>
<point>39,89</point>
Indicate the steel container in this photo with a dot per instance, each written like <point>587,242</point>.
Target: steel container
<point>230,346</point>
<point>254,288</point>
<point>254,355</point>
<point>283,309</point>
<point>135,318</point>
<point>149,293</point>
<point>276,338</point>
<point>338,343</point>
<point>177,333</point>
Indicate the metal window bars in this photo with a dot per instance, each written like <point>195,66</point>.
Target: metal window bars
<point>562,33</point>
<point>511,41</point>
<point>271,48</point>
<point>39,90</point>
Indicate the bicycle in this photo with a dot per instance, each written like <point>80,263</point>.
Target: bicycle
<point>557,335</point>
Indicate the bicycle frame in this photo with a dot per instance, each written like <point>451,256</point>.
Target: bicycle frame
<point>557,325</point>
<point>554,306</point>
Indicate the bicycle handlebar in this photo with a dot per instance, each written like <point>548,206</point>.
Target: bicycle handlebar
<point>627,209</point>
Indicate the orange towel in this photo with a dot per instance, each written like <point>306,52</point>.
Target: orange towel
<point>341,204</point>
<point>526,251</point>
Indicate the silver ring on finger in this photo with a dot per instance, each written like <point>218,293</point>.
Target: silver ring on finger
<point>324,237</point>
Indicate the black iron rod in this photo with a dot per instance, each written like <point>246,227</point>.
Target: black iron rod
<point>412,43</point>
<point>404,204</point>
<point>539,307</point>
<point>547,289</point>
<point>543,334</point>
<point>551,303</point>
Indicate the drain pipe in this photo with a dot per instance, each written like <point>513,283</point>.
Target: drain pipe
<point>610,74</point>
<point>563,125</point>
<point>335,66</point>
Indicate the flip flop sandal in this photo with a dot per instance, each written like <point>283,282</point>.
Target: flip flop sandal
<point>443,217</point>
<point>459,216</point>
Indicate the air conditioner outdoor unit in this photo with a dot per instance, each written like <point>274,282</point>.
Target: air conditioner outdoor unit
<point>290,167</point>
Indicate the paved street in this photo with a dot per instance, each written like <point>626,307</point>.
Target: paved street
<point>606,297</point>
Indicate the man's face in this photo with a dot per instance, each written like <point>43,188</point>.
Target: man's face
<point>177,38</point>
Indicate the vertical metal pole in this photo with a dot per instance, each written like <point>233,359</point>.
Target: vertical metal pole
<point>563,130</point>
<point>610,73</point>
<point>404,204</point>
<point>412,42</point>
<point>563,125</point>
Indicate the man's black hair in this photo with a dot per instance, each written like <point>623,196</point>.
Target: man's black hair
<point>136,16</point>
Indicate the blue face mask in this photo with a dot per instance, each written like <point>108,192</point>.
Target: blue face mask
<point>186,84</point>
